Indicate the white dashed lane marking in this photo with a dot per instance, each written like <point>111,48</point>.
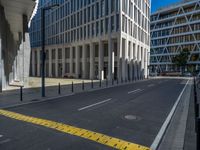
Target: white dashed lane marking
<point>92,105</point>
<point>135,91</point>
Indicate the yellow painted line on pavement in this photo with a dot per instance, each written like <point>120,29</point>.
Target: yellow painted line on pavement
<point>86,134</point>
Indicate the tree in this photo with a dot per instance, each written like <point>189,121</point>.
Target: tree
<point>181,59</point>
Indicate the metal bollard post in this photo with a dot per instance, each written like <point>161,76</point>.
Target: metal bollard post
<point>83,86</point>
<point>100,83</point>
<point>92,84</point>
<point>21,93</point>
<point>198,134</point>
<point>112,81</point>
<point>196,116</point>
<point>72,87</point>
<point>106,82</point>
<point>117,81</point>
<point>59,92</point>
<point>197,110</point>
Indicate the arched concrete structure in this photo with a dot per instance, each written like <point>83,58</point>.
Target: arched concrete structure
<point>14,41</point>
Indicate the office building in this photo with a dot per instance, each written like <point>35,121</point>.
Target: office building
<point>93,39</point>
<point>174,28</point>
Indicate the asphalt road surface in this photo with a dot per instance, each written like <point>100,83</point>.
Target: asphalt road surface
<point>133,113</point>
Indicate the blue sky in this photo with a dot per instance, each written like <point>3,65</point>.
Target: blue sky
<point>159,3</point>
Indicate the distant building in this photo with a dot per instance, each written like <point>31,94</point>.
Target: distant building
<point>173,29</point>
<point>93,39</point>
<point>14,41</point>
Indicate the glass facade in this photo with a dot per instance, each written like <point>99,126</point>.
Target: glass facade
<point>172,30</point>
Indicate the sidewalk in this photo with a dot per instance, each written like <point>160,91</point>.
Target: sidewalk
<point>33,94</point>
<point>190,135</point>
<point>180,134</point>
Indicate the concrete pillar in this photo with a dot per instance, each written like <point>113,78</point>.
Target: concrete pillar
<point>84,60</point>
<point>110,60</point>
<point>142,62</point>
<point>63,62</point>
<point>92,61</point>
<point>71,60</point>
<point>139,61</point>
<point>125,60</point>
<point>38,63</point>
<point>26,52</point>
<point>146,63</point>
<point>131,61</point>
<point>101,61</point>
<point>56,62</point>
<point>77,62</point>
<point>33,63</point>
<point>15,69</point>
<point>1,66</point>
<point>50,63</point>
<point>119,56</point>
<point>136,62</point>
<point>20,65</point>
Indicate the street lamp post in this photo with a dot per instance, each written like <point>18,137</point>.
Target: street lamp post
<point>43,46</point>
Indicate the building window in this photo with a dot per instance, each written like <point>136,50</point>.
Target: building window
<point>60,53</point>
<point>67,53</point>
<point>53,54</point>
<point>112,23</point>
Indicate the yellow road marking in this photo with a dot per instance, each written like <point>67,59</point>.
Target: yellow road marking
<point>86,134</point>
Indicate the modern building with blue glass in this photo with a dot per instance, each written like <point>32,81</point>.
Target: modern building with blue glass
<point>174,28</point>
<point>93,39</point>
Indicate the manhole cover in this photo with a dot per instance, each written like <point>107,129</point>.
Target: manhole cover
<point>131,117</point>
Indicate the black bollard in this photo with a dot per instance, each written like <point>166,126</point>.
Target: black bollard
<point>21,93</point>
<point>198,134</point>
<point>106,82</point>
<point>83,86</point>
<point>92,84</point>
<point>100,83</point>
<point>196,116</point>
<point>117,81</point>
<point>59,91</point>
<point>72,87</point>
<point>112,81</point>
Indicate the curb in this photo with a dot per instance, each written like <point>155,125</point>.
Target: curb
<point>61,96</point>
<point>166,124</point>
